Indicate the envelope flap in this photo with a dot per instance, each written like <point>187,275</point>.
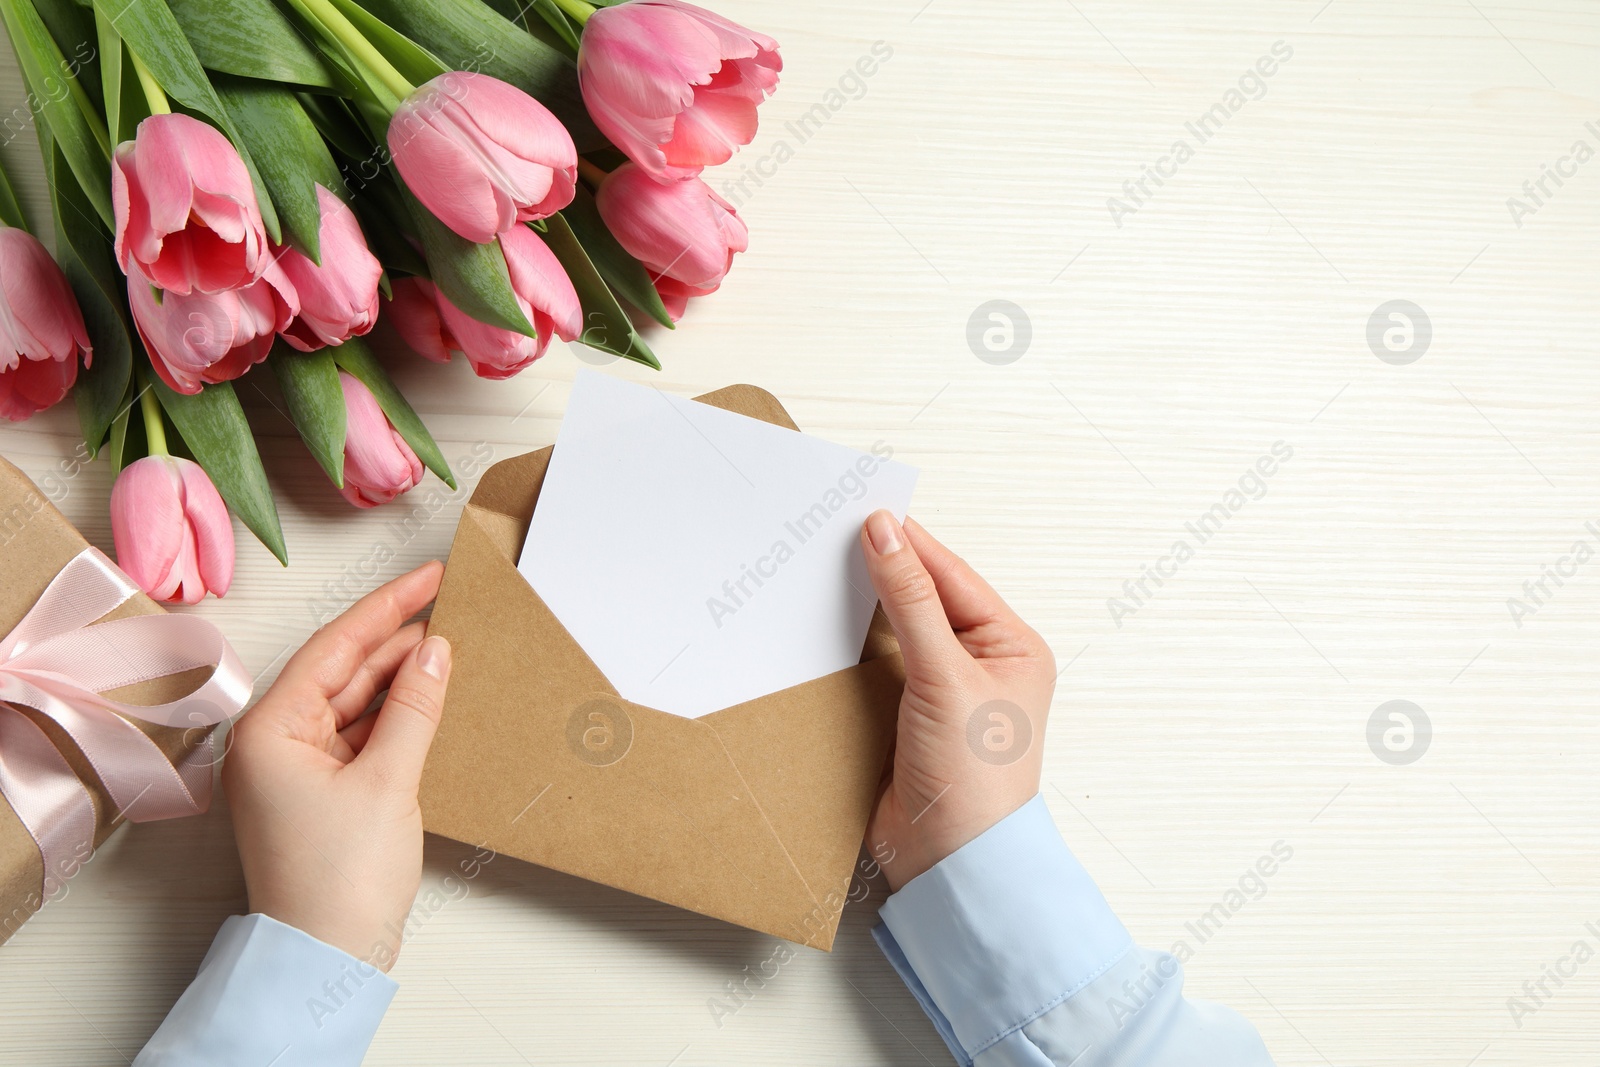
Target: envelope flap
<point>483,597</point>
<point>504,499</point>
<point>814,757</point>
<point>751,400</point>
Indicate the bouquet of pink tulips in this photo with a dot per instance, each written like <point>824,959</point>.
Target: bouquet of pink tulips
<point>238,182</point>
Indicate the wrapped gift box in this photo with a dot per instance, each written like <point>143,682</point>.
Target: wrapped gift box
<point>36,542</point>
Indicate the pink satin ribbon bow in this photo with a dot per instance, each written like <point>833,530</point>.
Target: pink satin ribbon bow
<point>57,663</point>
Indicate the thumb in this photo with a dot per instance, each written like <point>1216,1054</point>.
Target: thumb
<point>910,597</point>
<point>410,714</point>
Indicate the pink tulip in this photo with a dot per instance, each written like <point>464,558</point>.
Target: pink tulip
<point>186,213</point>
<point>672,85</point>
<point>413,313</point>
<point>482,155</point>
<point>338,300</point>
<point>683,232</point>
<point>171,529</point>
<point>41,328</point>
<point>199,339</point>
<point>378,464</point>
<point>435,327</point>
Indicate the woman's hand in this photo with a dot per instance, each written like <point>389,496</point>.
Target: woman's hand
<point>324,794</point>
<point>970,742</point>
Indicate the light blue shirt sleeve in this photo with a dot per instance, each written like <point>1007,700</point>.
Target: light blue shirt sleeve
<point>267,993</point>
<point>1015,955</point>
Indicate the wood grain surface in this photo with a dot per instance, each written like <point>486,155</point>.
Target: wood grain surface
<point>1169,347</point>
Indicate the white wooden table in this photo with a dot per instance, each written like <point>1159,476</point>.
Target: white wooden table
<point>1229,711</point>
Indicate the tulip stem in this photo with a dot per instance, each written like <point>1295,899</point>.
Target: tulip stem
<point>577,9</point>
<point>155,431</point>
<point>346,33</point>
<point>153,93</point>
<point>592,174</point>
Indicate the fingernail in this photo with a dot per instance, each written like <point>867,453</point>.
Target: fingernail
<point>434,658</point>
<point>884,533</point>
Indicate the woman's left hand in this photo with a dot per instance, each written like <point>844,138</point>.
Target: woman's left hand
<point>323,792</point>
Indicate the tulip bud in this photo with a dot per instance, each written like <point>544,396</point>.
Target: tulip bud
<point>674,86</point>
<point>339,299</point>
<point>482,155</point>
<point>171,530</point>
<point>187,220</point>
<point>42,334</point>
<point>378,464</point>
<point>435,327</point>
<point>203,338</point>
<point>683,232</point>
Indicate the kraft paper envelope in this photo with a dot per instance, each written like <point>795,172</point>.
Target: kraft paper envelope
<point>753,814</point>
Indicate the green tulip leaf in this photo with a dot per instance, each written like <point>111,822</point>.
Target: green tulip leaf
<point>333,119</point>
<point>289,151</point>
<point>61,101</point>
<point>310,385</point>
<point>84,252</point>
<point>605,324</point>
<point>73,28</point>
<point>10,211</point>
<point>86,257</point>
<point>153,34</point>
<point>126,105</point>
<point>516,12</point>
<point>625,274</point>
<point>213,425</point>
<point>357,359</point>
<point>414,62</point>
<point>473,276</point>
<point>471,35</point>
<point>253,39</point>
<point>126,441</point>
<point>558,21</point>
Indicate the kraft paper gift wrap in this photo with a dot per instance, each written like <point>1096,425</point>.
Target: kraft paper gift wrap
<point>36,543</point>
<point>753,814</point>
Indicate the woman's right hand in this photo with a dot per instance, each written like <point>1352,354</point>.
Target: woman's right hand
<point>969,746</point>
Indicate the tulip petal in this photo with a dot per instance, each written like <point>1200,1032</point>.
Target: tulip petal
<point>642,58</point>
<point>378,464</point>
<point>33,385</point>
<point>449,182</point>
<point>538,278</point>
<point>147,523</point>
<point>673,298</point>
<point>212,529</point>
<point>413,312</point>
<point>709,132</point>
<point>162,163</point>
<point>514,122</point>
<point>135,243</point>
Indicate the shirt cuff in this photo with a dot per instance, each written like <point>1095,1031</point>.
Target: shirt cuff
<point>269,993</point>
<point>1001,931</point>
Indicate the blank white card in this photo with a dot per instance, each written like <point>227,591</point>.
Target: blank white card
<point>702,558</point>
